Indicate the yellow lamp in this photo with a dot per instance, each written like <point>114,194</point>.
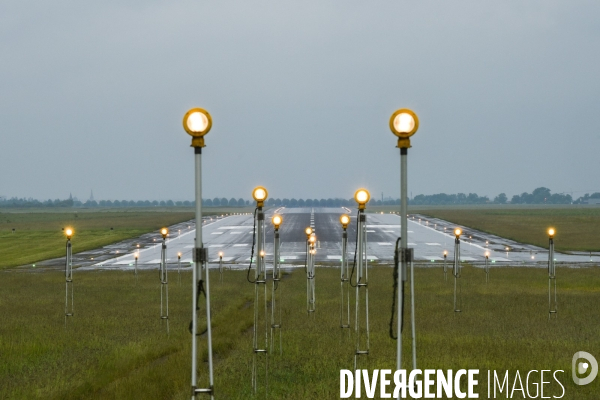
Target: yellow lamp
<point>457,232</point>
<point>404,123</point>
<point>362,197</point>
<point>344,220</point>
<point>308,232</point>
<point>276,220</point>
<point>164,232</point>
<point>260,195</point>
<point>69,233</point>
<point>551,232</point>
<point>197,122</point>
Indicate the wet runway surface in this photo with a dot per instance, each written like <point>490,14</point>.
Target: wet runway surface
<point>233,236</point>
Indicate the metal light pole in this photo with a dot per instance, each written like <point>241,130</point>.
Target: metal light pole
<point>197,123</point>
<point>260,278</point>
<point>456,269</point>
<point>310,274</point>
<point>221,267</point>
<point>276,291</point>
<point>487,267</point>
<point>164,279</point>
<point>404,123</point>
<point>345,278</point>
<point>362,197</point>
<point>135,267</point>
<point>69,306</point>
<point>552,305</point>
<point>445,267</point>
<point>179,268</point>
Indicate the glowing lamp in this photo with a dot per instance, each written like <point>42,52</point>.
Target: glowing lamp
<point>260,195</point>
<point>457,232</point>
<point>344,220</point>
<point>69,233</point>
<point>404,123</point>
<point>197,122</point>
<point>164,232</point>
<point>551,232</point>
<point>276,220</point>
<point>362,197</point>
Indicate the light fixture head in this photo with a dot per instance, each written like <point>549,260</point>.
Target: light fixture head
<point>404,123</point>
<point>164,232</point>
<point>220,254</point>
<point>260,194</point>
<point>69,232</point>
<point>178,255</point>
<point>308,232</point>
<point>276,220</point>
<point>262,253</point>
<point>362,197</point>
<point>551,232</point>
<point>197,122</point>
<point>344,220</point>
<point>445,253</point>
<point>457,232</point>
<point>487,254</point>
<point>312,238</point>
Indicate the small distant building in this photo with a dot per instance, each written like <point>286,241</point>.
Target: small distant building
<point>591,201</point>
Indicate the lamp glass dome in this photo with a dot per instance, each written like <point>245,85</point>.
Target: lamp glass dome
<point>164,231</point>
<point>362,196</point>
<point>197,122</point>
<point>69,232</point>
<point>345,219</point>
<point>404,123</point>
<point>276,220</point>
<point>308,230</point>
<point>551,232</point>
<point>457,232</point>
<point>259,193</point>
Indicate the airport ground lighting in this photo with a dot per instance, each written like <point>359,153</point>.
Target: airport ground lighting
<point>404,123</point>
<point>362,197</point>
<point>487,266</point>
<point>308,232</point>
<point>445,267</point>
<point>345,278</point>
<point>164,280</point>
<point>260,195</point>
<point>276,297</point>
<point>456,269</point>
<point>552,300</point>
<point>164,232</point>
<point>197,122</point>
<point>69,296</point>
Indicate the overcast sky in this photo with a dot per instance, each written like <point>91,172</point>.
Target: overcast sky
<point>92,96</point>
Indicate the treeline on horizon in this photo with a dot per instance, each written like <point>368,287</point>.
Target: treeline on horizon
<point>540,195</point>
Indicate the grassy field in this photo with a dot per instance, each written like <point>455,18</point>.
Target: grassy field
<point>578,228</point>
<point>38,235</point>
<point>116,348</point>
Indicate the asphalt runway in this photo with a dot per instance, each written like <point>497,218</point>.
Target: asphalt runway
<point>233,236</point>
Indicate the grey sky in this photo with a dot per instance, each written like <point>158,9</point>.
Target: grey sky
<point>92,95</point>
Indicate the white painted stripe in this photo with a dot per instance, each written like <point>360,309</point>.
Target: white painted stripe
<point>241,245</point>
<point>384,243</point>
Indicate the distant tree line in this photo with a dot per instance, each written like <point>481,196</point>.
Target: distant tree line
<point>540,195</point>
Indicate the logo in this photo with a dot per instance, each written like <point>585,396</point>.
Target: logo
<point>582,367</point>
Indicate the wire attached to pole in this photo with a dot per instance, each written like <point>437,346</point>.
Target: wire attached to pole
<point>355,249</point>
<point>253,243</point>
<point>396,267</point>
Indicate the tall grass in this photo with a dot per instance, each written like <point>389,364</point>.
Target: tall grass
<point>116,347</point>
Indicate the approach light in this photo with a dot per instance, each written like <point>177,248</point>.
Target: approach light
<point>551,232</point>
<point>178,255</point>
<point>457,232</point>
<point>362,197</point>
<point>262,253</point>
<point>308,232</point>
<point>164,232</point>
<point>69,233</point>
<point>445,253</point>
<point>404,123</point>
<point>197,122</point>
<point>220,254</point>
<point>260,195</point>
<point>276,220</point>
<point>487,254</point>
<point>344,220</point>
<point>312,238</point>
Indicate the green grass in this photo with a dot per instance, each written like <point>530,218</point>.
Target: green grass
<point>38,234</point>
<point>577,229</point>
<point>115,347</point>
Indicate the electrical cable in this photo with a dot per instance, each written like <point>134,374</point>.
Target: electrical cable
<point>199,290</point>
<point>355,249</point>
<point>253,243</point>
<point>396,267</point>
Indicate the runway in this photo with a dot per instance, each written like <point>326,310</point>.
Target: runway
<point>233,236</point>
